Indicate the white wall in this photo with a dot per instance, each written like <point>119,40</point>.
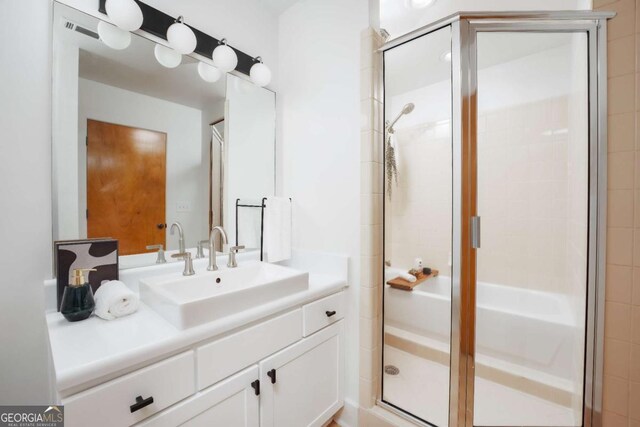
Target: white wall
<point>66,209</point>
<point>185,161</point>
<point>25,195</point>
<point>250,131</point>
<point>319,114</point>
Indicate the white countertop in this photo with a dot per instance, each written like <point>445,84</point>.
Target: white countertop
<point>91,351</point>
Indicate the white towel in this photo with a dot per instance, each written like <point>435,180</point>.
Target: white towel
<point>114,299</point>
<point>408,277</point>
<point>277,229</point>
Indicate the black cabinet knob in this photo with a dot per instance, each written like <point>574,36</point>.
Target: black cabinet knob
<point>161,226</point>
<point>141,403</point>
<point>256,387</point>
<point>330,313</point>
<point>272,374</point>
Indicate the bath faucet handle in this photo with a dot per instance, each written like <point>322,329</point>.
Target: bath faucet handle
<point>200,251</point>
<point>233,250</point>
<point>161,259</point>
<point>188,263</point>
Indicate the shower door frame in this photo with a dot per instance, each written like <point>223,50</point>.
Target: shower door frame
<point>464,30</point>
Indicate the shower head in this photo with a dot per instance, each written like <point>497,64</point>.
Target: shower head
<point>408,108</point>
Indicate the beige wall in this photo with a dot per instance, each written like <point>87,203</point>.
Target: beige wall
<point>524,196</point>
<point>420,205</point>
<point>371,218</point>
<point>622,311</point>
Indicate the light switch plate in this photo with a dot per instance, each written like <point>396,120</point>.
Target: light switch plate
<point>183,206</point>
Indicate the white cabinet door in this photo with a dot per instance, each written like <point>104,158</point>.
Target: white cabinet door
<point>229,403</point>
<point>302,384</point>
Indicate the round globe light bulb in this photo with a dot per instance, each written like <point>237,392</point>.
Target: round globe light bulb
<point>224,58</point>
<point>166,56</point>
<point>126,14</point>
<point>421,4</point>
<point>260,74</point>
<point>114,37</point>
<point>181,37</point>
<point>208,73</point>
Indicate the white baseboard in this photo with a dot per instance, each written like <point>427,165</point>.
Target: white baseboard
<point>348,415</point>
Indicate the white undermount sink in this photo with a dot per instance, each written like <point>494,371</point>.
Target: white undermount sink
<point>188,301</point>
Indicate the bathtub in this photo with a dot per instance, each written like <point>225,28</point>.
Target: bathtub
<point>531,333</point>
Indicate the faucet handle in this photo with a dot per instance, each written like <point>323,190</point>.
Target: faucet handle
<point>181,255</point>
<point>233,250</point>
<point>161,259</point>
<point>188,264</point>
<point>200,251</point>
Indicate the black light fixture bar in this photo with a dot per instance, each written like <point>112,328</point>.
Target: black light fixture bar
<point>157,23</point>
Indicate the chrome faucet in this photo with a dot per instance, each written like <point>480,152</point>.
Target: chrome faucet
<point>181,234</point>
<point>212,246</point>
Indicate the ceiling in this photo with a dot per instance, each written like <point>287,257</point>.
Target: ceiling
<point>135,68</point>
<point>279,6</point>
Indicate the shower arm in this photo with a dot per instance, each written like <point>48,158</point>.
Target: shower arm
<point>389,126</point>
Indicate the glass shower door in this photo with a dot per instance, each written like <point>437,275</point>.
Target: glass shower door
<point>532,192</point>
<point>418,227</point>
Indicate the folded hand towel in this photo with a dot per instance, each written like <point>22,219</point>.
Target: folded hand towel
<point>408,277</point>
<point>277,229</point>
<point>114,299</point>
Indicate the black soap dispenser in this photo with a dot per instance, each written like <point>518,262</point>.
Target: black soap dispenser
<point>77,298</point>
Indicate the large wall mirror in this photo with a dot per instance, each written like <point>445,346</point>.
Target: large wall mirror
<point>138,146</point>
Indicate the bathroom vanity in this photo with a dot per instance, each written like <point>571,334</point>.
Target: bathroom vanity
<point>250,368</point>
<point>240,346</point>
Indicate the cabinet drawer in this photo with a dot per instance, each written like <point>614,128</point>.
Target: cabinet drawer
<point>232,402</point>
<point>322,313</point>
<point>235,352</point>
<point>109,404</point>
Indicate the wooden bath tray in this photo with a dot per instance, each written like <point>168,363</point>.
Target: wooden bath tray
<point>405,285</point>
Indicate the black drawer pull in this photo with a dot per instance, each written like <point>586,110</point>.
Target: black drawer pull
<point>141,403</point>
<point>256,387</point>
<point>330,313</point>
<point>272,374</point>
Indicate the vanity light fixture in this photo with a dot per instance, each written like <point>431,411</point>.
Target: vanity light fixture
<point>181,37</point>
<point>224,57</point>
<point>166,56</point>
<point>260,74</point>
<point>126,14</point>
<point>160,25</point>
<point>209,73</point>
<point>114,37</point>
